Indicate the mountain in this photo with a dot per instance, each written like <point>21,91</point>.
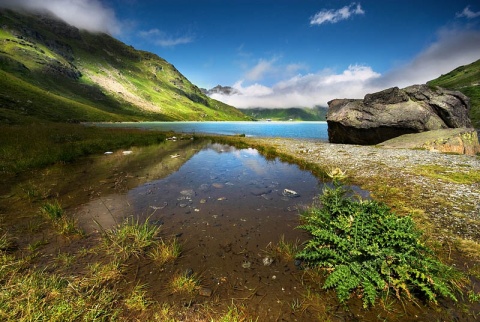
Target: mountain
<point>219,89</point>
<point>50,70</point>
<point>465,79</point>
<point>316,113</point>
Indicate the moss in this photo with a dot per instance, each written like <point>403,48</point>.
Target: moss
<point>448,174</point>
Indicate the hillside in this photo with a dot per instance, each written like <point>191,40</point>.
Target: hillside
<point>465,79</point>
<point>285,114</point>
<point>52,71</point>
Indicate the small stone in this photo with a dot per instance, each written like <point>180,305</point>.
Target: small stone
<point>205,291</point>
<point>203,200</point>
<point>290,193</point>
<point>188,272</point>
<point>267,261</point>
<point>246,264</point>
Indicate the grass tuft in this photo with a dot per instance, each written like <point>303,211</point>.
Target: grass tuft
<point>164,252</point>
<point>65,224</point>
<point>131,238</point>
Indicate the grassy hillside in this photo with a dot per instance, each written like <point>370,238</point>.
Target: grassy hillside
<point>286,114</point>
<point>465,79</point>
<point>50,70</point>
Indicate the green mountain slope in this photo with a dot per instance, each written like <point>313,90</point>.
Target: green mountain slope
<point>465,79</point>
<point>52,71</point>
<point>285,114</point>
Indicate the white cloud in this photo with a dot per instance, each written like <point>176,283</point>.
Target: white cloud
<point>334,16</point>
<point>452,49</point>
<point>302,90</point>
<point>90,15</point>
<point>260,69</point>
<point>162,39</point>
<point>467,13</point>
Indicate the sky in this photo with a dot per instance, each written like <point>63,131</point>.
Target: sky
<point>289,53</point>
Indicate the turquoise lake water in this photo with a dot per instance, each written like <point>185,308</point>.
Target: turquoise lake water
<point>298,130</point>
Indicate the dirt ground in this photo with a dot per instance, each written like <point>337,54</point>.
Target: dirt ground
<point>230,223</point>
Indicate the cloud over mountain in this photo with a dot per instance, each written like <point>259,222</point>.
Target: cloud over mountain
<point>91,15</point>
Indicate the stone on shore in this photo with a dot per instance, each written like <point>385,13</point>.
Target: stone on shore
<point>458,141</point>
<point>394,112</point>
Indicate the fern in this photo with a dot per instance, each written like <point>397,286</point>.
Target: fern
<point>368,249</point>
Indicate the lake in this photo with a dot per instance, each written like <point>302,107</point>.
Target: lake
<point>297,130</point>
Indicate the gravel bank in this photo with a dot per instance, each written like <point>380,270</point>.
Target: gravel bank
<point>392,176</point>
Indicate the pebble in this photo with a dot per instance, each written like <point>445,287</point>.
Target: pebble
<point>205,291</point>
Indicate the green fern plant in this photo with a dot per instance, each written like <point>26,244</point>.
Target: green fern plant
<point>369,250</point>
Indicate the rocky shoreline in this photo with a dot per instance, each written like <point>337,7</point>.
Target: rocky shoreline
<point>446,209</point>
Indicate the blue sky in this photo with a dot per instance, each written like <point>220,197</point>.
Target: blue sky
<point>283,53</point>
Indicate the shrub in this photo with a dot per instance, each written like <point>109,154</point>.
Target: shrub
<point>365,248</point>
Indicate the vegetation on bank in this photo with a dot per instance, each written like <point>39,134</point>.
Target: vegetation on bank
<point>368,250</point>
<point>25,147</point>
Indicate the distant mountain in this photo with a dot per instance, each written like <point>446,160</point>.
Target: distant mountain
<point>465,79</point>
<point>225,90</point>
<point>51,70</point>
<point>317,113</point>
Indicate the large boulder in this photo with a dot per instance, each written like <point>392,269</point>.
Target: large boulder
<point>393,112</point>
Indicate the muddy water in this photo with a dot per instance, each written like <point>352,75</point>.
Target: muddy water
<point>227,207</point>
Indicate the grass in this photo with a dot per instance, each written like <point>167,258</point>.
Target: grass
<point>131,238</point>
<point>65,224</point>
<point>56,142</point>
<point>186,283</point>
<point>138,299</point>
<point>164,252</point>
<point>449,174</point>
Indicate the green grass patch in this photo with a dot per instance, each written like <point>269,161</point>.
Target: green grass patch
<point>58,142</point>
<point>368,250</point>
<point>449,174</point>
<point>131,238</point>
<point>65,224</point>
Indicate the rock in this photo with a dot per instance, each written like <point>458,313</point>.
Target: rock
<point>394,112</point>
<point>290,193</point>
<point>267,261</point>
<point>461,141</point>
<point>205,291</point>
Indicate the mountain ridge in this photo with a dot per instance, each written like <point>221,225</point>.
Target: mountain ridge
<point>105,79</point>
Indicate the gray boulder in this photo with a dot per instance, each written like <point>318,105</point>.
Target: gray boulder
<point>393,112</point>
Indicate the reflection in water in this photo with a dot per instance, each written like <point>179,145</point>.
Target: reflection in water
<point>223,181</point>
<point>216,181</point>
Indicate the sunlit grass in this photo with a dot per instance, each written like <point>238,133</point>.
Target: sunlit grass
<point>184,283</point>
<point>65,224</point>
<point>449,174</point>
<point>56,142</point>
<point>138,299</point>
<point>164,252</point>
<point>131,238</point>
